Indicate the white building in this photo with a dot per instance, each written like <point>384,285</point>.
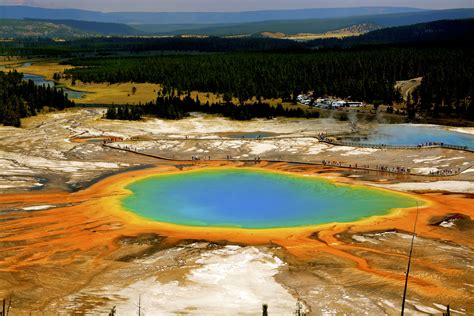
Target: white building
<point>338,104</point>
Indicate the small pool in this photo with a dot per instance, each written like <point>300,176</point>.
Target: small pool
<point>249,198</point>
<point>41,81</point>
<point>38,80</point>
<point>252,135</point>
<point>10,66</point>
<point>73,94</point>
<point>95,140</point>
<point>413,135</point>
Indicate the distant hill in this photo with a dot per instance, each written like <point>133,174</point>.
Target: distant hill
<point>23,28</point>
<point>289,22</point>
<point>354,30</point>
<point>174,29</point>
<point>65,29</point>
<point>325,25</point>
<point>461,31</point>
<point>100,28</point>
<point>290,29</point>
<point>446,33</point>
<point>432,31</point>
<point>22,12</point>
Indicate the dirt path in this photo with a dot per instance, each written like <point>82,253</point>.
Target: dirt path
<point>407,86</point>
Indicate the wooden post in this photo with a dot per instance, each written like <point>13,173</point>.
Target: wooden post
<point>448,313</point>
<point>409,262</point>
<point>299,309</point>
<point>9,305</point>
<point>139,305</point>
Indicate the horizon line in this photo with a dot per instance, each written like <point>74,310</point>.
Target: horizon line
<point>243,11</point>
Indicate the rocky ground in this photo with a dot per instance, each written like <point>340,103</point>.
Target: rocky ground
<point>47,151</point>
<point>63,151</point>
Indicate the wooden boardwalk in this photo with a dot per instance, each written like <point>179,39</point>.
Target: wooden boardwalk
<point>388,169</point>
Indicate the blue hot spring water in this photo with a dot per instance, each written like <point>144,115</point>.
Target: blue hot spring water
<point>255,199</point>
<point>406,134</point>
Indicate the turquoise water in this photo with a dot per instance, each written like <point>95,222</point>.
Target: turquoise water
<point>251,135</point>
<point>38,80</point>
<point>253,199</point>
<point>95,140</point>
<point>406,134</point>
<point>41,81</point>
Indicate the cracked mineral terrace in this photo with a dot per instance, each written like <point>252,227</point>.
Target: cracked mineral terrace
<point>66,247</point>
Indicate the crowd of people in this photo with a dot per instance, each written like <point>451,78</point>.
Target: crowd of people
<point>198,158</point>
<point>381,168</point>
<point>112,140</point>
<point>323,136</point>
<point>392,169</point>
<point>397,169</point>
<point>445,172</point>
<point>428,144</point>
<point>384,168</point>
<point>332,163</point>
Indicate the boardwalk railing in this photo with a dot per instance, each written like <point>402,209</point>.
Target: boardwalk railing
<point>386,146</point>
<point>331,140</point>
<point>326,163</point>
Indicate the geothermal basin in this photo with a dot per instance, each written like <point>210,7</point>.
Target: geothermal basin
<point>247,198</point>
<point>413,135</point>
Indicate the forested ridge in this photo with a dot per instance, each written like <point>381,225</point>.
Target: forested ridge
<point>447,88</point>
<point>365,75</point>
<point>19,99</point>
<point>360,74</point>
<point>138,45</point>
<point>449,33</point>
<point>357,68</point>
<point>453,32</point>
<point>173,106</point>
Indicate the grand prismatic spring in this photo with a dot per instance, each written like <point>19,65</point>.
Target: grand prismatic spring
<point>223,186</point>
<point>315,224</point>
<point>254,199</point>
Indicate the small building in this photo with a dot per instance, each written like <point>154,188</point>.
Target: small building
<point>338,104</point>
<point>354,104</point>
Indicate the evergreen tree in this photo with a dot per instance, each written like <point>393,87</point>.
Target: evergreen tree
<point>19,99</point>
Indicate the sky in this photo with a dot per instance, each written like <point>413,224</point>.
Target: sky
<point>232,5</point>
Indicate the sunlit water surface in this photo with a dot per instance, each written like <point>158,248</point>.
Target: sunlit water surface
<point>406,134</point>
<point>255,199</point>
<point>41,81</point>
